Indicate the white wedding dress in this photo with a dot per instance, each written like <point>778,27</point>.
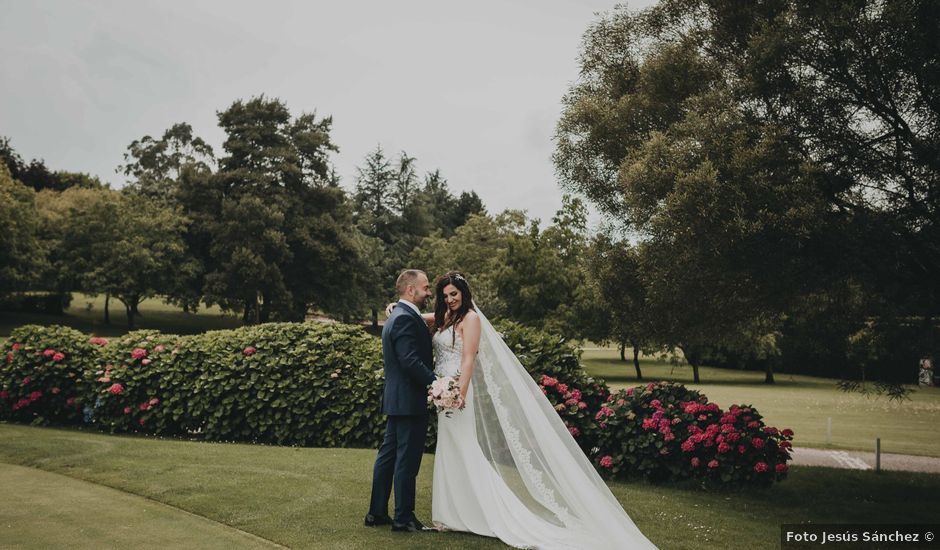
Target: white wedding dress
<point>505,466</point>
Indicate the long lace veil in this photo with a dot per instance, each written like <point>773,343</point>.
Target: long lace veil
<point>528,445</point>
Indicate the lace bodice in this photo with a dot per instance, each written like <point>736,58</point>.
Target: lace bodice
<point>448,352</point>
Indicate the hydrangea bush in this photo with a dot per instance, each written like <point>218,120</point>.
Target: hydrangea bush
<point>665,431</point>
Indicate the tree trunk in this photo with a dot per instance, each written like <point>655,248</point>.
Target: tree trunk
<point>769,373</point>
<point>129,309</point>
<point>623,351</point>
<point>636,361</point>
<point>134,307</point>
<point>107,314</point>
<point>695,378</point>
<point>264,313</point>
<point>375,318</point>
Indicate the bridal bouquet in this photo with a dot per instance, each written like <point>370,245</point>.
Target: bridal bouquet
<point>444,394</point>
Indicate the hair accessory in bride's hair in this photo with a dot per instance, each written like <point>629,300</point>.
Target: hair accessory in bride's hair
<point>459,277</point>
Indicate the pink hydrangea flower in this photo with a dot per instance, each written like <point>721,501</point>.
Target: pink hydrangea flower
<point>116,389</point>
<point>16,346</point>
<point>574,431</point>
<point>58,357</point>
<point>696,462</point>
<point>139,353</point>
<point>48,353</point>
<point>760,467</point>
<point>127,410</point>
<point>712,464</point>
<point>250,350</point>
<point>607,461</point>
<point>548,380</point>
<point>724,448</point>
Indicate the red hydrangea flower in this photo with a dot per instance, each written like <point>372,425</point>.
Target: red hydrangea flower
<point>648,423</point>
<point>139,353</point>
<point>753,424</point>
<point>742,449</point>
<point>724,448</point>
<point>787,432</point>
<point>127,410</point>
<point>760,467</point>
<point>572,402</point>
<point>70,401</point>
<point>144,406</point>
<point>58,357</point>
<point>25,381</point>
<point>757,443</point>
<point>4,394</point>
<point>142,421</point>
<point>20,404</point>
<point>48,353</point>
<point>562,388</point>
<point>712,464</point>
<point>770,430</point>
<point>576,394</point>
<point>607,461</point>
<point>548,380</point>
<point>696,462</point>
<point>656,403</point>
<point>16,346</point>
<point>781,468</point>
<point>629,391</point>
<point>575,432</point>
<point>250,350</point>
<point>786,444</point>
<point>116,389</point>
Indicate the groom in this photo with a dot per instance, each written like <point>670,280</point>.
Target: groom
<point>406,349</point>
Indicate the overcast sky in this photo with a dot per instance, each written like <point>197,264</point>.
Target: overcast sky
<point>471,88</point>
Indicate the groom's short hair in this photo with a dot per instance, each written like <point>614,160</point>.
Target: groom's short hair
<point>407,277</point>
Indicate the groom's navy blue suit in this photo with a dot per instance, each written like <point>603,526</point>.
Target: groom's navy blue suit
<point>406,349</point>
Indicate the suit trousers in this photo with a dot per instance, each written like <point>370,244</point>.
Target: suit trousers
<point>397,463</point>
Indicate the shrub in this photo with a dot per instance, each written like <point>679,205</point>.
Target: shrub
<point>42,375</point>
<point>133,388</point>
<point>666,432</point>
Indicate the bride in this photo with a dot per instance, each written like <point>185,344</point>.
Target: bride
<point>505,464</point>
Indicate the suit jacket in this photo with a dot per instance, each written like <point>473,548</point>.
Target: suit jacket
<point>406,350</point>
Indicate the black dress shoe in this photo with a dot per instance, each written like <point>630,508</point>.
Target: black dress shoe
<point>413,526</point>
<point>372,521</point>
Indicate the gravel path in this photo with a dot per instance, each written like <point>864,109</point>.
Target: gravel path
<point>861,460</point>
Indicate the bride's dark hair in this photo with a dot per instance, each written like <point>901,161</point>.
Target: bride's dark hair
<point>440,305</point>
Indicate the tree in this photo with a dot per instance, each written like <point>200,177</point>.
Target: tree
<point>156,166</point>
<point>103,241</point>
<point>22,254</point>
<point>280,244</point>
<point>758,151</point>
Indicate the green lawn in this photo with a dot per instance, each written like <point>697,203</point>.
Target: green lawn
<point>315,498</point>
<point>86,314</point>
<point>800,402</point>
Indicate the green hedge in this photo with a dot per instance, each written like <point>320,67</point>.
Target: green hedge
<point>317,384</point>
<point>43,378</point>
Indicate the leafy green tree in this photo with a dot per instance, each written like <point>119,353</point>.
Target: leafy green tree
<point>756,152</point>
<point>22,254</point>
<point>155,166</point>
